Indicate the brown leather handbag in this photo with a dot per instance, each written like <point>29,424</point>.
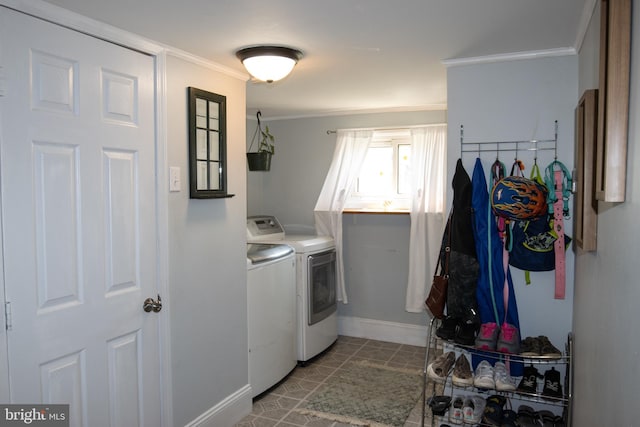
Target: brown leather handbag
<point>437,298</point>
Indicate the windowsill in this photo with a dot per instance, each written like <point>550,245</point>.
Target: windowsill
<point>377,211</point>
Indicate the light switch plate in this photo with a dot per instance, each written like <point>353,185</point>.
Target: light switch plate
<point>174,179</point>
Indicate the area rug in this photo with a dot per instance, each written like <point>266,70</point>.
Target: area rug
<point>367,394</point>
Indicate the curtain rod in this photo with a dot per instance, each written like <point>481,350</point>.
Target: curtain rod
<point>329,132</point>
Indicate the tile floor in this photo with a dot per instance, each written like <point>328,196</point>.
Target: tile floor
<point>274,408</point>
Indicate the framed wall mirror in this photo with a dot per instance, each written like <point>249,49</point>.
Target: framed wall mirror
<point>585,222</point>
<point>613,100</point>
<point>207,145</point>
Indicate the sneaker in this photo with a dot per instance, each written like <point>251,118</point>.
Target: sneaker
<point>448,328</point>
<point>547,349</point>
<point>462,375</point>
<point>552,387</point>
<point>439,404</point>
<point>439,369</point>
<point>530,347</point>
<point>493,409</point>
<point>484,376</point>
<point>509,339</point>
<point>468,329</point>
<point>503,380</point>
<point>488,336</point>
<point>529,382</point>
<point>455,413</point>
<point>473,409</point>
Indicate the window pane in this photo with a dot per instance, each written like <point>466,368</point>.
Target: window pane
<point>214,175</point>
<point>201,176</point>
<point>214,110</point>
<point>201,107</point>
<point>214,146</point>
<point>201,144</point>
<point>404,169</point>
<point>376,177</point>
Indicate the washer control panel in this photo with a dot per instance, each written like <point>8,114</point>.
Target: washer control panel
<point>264,227</point>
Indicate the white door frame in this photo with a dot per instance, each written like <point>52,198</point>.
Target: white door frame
<point>91,27</point>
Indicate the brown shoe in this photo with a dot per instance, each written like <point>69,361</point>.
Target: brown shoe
<point>530,347</point>
<point>547,349</point>
<point>462,375</point>
<point>439,369</point>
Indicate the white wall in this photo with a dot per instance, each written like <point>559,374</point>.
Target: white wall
<point>607,340</point>
<point>207,271</point>
<point>519,100</point>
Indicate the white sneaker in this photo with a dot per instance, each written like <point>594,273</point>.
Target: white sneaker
<point>503,381</point>
<point>473,409</point>
<point>484,376</point>
<point>455,411</point>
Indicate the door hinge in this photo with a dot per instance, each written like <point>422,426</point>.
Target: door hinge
<point>7,316</point>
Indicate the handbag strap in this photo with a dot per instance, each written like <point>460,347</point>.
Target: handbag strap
<point>444,270</point>
<point>447,249</point>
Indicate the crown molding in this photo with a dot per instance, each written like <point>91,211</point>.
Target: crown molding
<point>83,24</point>
<point>516,56</point>
<point>74,21</point>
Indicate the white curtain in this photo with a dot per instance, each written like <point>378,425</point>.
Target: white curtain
<point>428,148</point>
<point>351,149</point>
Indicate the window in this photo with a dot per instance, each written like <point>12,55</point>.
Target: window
<point>384,182</point>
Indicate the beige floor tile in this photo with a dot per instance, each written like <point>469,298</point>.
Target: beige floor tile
<point>276,408</point>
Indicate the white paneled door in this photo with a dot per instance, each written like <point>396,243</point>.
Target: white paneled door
<point>79,223</point>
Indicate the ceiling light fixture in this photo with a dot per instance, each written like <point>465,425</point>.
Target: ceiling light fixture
<point>269,63</point>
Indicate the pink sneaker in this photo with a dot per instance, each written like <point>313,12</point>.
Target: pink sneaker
<point>488,336</point>
<point>509,340</point>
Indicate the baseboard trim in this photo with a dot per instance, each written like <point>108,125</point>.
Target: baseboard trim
<point>228,412</point>
<point>401,333</point>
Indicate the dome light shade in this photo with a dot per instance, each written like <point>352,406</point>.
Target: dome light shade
<point>269,63</point>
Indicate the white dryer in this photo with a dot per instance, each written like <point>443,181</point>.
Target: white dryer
<point>317,324</point>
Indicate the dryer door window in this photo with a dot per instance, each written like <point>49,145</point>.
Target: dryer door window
<point>322,285</point>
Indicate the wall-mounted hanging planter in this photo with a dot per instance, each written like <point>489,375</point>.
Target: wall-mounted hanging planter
<point>261,160</point>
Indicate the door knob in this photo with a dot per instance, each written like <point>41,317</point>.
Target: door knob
<point>152,305</point>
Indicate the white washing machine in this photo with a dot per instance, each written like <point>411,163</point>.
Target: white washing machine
<point>317,324</point>
<point>271,314</point>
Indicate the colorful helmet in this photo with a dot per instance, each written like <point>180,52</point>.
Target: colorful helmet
<point>516,197</point>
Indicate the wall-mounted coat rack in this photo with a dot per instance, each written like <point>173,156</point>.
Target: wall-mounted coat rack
<point>498,147</point>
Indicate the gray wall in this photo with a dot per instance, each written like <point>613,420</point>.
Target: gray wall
<point>607,373</point>
<point>376,246</point>
<point>519,100</point>
<point>207,271</point>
